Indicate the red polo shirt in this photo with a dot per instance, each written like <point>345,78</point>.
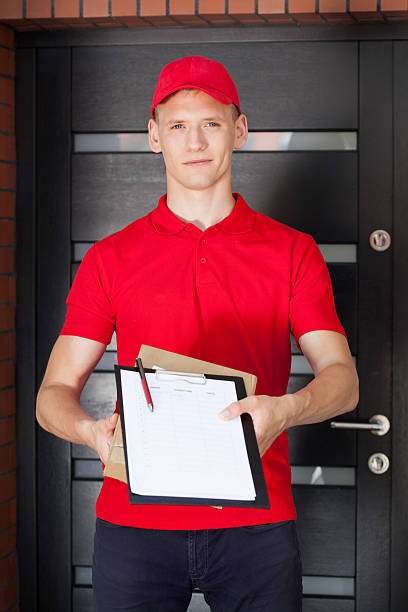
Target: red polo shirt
<point>229,295</point>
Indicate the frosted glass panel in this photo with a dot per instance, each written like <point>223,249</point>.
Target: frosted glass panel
<point>198,604</point>
<point>301,141</point>
<point>318,475</point>
<point>80,248</point>
<point>257,141</point>
<point>312,585</point>
<point>322,585</point>
<point>112,143</point>
<point>107,361</point>
<point>91,469</point>
<point>332,253</point>
<point>300,365</point>
<point>339,253</point>
<point>82,576</point>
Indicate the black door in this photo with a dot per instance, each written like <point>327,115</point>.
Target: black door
<point>319,158</point>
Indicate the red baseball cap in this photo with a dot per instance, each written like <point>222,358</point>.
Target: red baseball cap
<point>196,72</point>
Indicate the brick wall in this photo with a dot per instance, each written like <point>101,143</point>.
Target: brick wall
<point>62,14</point>
<point>8,584</point>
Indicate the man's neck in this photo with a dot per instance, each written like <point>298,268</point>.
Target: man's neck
<point>203,208</point>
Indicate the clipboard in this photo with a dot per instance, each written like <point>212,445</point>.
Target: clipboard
<point>154,357</point>
<point>261,496</point>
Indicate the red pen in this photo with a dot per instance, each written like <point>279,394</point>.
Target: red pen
<point>144,383</point>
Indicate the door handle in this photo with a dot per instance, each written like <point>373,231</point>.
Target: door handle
<point>378,425</point>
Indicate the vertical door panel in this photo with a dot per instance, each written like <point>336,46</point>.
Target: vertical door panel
<point>399,537</point>
<point>375,322</point>
<point>53,281</point>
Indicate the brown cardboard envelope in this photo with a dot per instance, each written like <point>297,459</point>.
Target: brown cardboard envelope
<point>115,466</point>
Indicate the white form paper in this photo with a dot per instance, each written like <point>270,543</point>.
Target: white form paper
<point>183,448</point>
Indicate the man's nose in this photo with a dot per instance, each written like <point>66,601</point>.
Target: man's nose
<point>196,139</point>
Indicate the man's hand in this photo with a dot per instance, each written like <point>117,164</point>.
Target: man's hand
<point>267,414</point>
<point>332,392</point>
<point>58,408</point>
<point>101,434</point>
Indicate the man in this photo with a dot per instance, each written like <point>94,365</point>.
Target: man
<point>206,276</point>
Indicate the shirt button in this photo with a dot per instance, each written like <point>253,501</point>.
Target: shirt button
<point>203,241</point>
<point>203,260</point>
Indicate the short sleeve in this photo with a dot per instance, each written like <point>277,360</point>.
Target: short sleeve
<point>89,313</point>
<point>311,303</point>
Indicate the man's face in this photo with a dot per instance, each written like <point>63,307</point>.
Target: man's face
<point>196,134</point>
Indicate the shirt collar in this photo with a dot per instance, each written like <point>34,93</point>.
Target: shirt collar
<point>164,220</point>
<point>240,220</point>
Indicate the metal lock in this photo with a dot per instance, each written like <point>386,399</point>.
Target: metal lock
<point>378,463</point>
<point>380,240</point>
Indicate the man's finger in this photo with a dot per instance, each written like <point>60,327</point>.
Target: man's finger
<point>235,409</point>
<point>112,419</point>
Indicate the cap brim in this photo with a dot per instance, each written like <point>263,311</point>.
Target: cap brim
<point>218,95</point>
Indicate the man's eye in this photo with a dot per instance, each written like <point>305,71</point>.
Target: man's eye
<point>212,123</point>
<point>175,125</point>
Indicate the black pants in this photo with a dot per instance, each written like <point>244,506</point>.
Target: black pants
<point>239,568</point>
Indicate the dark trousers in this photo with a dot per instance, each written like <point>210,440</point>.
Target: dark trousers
<point>239,568</point>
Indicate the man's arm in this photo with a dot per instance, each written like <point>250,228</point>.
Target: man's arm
<point>333,391</point>
<point>58,409</point>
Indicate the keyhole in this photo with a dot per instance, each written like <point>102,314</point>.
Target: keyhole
<point>378,463</point>
<point>380,240</point>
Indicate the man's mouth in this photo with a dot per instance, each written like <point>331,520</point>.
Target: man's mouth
<point>197,162</point>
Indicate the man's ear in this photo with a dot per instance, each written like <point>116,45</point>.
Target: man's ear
<point>154,141</point>
<point>241,131</point>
